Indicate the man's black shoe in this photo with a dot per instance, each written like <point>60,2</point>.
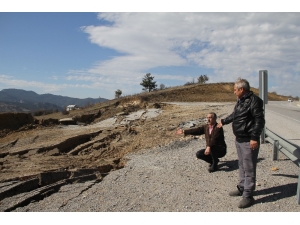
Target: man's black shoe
<point>246,202</point>
<point>212,168</point>
<point>237,192</point>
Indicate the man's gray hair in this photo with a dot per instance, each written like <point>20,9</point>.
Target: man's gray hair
<point>214,115</point>
<point>242,83</point>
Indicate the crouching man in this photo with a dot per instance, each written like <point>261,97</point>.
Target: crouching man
<point>215,142</point>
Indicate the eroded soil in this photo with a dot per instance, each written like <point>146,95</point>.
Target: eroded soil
<point>27,153</point>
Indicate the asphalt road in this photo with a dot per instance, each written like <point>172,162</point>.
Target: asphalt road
<point>283,118</point>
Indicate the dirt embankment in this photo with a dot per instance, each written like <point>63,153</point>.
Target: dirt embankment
<point>26,153</point>
<point>27,156</point>
<point>41,143</point>
<point>105,134</point>
<point>14,121</point>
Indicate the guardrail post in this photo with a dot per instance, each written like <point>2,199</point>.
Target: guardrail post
<point>275,149</point>
<point>298,187</point>
<point>263,94</point>
<point>289,150</point>
<point>263,134</point>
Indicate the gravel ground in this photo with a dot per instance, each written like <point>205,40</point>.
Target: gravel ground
<point>171,179</point>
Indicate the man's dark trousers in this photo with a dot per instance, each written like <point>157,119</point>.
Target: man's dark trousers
<point>247,167</point>
<point>215,153</point>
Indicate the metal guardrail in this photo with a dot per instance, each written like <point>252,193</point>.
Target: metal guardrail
<point>291,151</point>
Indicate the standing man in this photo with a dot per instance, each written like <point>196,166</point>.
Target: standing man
<point>247,123</point>
<point>215,143</point>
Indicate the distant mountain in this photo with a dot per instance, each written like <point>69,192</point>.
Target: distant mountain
<point>28,107</point>
<point>18,100</point>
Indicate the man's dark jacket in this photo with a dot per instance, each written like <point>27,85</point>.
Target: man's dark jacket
<point>247,118</point>
<point>215,138</point>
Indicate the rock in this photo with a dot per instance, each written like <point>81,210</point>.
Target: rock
<point>67,121</point>
<point>274,168</point>
<point>124,113</point>
<point>53,152</point>
<point>154,105</point>
<point>48,122</point>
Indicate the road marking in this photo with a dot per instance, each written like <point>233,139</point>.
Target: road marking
<point>283,115</point>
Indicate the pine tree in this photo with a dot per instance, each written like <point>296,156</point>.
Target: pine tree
<point>118,93</point>
<point>202,79</point>
<point>148,83</point>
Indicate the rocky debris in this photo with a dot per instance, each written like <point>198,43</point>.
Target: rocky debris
<point>131,117</point>
<point>19,193</point>
<point>151,113</point>
<point>52,177</point>
<point>106,123</point>
<point>9,144</point>
<point>102,145</point>
<point>126,103</point>
<point>48,122</point>
<point>97,146</point>
<point>11,188</point>
<point>192,123</point>
<point>67,121</point>
<point>122,114</point>
<point>62,146</point>
<point>141,115</point>
<point>98,143</point>
<point>87,118</point>
<point>156,105</point>
<point>53,152</point>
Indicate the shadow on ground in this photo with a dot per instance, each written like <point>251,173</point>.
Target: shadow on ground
<point>233,165</point>
<point>277,192</point>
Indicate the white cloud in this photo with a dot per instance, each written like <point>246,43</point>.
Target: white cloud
<point>229,44</point>
<point>232,44</point>
<point>155,6</point>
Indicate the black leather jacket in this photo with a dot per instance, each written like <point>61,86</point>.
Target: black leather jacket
<point>247,119</point>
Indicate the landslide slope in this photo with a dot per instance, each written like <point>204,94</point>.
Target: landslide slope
<point>40,148</point>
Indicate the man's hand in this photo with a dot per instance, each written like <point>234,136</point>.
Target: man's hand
<point>207,151</point>
<point>219,125</point>
<point>179,131</point>
<point>253,145</point>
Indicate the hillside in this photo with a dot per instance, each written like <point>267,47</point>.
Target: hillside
<point>17,100</point>
<point>28,107</point>
<point>39,155</point>
<point>47,145</point>
<point>214,92</point>
<point>40,159</point>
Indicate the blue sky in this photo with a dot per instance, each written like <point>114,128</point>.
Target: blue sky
<point>87,54</point>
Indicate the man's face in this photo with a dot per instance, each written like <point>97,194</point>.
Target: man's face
<point>210,119</point>
<point>239,92</point>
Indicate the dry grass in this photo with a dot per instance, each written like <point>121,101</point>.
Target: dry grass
<point>214,92</point>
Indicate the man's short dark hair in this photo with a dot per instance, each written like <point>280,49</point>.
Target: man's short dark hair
<point>214,115</point>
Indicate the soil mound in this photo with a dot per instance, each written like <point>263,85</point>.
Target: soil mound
<point>14,121</point>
